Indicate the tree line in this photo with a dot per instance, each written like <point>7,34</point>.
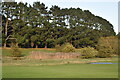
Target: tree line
<point>37,26</point>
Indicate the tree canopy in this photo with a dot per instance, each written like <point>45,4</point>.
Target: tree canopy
<point>37,26</point>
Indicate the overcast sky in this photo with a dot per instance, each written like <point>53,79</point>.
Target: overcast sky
<point>108,9</point>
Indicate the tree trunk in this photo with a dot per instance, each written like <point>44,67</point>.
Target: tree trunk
<point>45,45</point>
<point>5,45</point>
<point>6,26</point>
<point>36,46</point>
<point>17,44</point>
<point>32,44</point>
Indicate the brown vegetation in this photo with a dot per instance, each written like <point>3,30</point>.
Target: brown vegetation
<point>58,55</point>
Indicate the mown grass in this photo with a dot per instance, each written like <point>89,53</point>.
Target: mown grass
<point>62,71</point>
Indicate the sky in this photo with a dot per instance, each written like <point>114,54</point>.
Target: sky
<point>107,9</point>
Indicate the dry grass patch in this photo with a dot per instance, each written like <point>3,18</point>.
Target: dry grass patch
<point>57,55</point>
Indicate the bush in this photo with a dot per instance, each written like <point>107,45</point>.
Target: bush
<point>65,48</point>
<point>58,48</point>
<point>15,51</point>
<point>105,52</point>
<point>88,52</point>
<point>107,46</point>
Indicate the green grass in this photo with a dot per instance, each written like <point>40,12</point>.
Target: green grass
<point>62,71</point>
<point>6,52</point>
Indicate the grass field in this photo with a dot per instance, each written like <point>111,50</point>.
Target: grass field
<point>62,71</point>
<point>29,68</point>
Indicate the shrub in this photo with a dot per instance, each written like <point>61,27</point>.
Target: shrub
<point>88,52</point>
<point>105,52</point>
<point>107,46</point>
<point>65,48</point>
<point>15,51</point>
<point>58,48</point>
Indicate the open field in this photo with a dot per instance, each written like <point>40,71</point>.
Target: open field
<point>62,71</point>
<point>57,68</point>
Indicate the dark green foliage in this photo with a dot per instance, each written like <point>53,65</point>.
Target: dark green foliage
<point>67,47</point>
<point>88,52</point>
<point>36,26</point>
<point>50,43</point>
